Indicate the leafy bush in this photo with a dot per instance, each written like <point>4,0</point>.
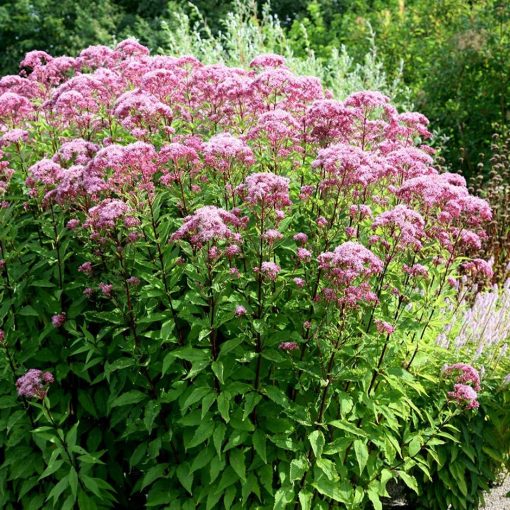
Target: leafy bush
<point>220,287</point>
<point>478,332</point>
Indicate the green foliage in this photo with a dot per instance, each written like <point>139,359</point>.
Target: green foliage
<point>467,464</point>
<point>59,27</point>
<point>455,57</point>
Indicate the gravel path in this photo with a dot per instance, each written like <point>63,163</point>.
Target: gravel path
<point>496,499</point>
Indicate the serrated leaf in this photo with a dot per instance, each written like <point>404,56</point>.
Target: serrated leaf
<point>71,435</point>
<point>52,468</point>
<point>138,454</point>
<point>251,400</point>
<point>328,468</point>
<point>202,433</point>
<point>317,441</point>
<point>73,482</point>
<point>374,499</point>
<point>259,443</point>
<point>153,474</point>
<point>339,491</point>
<point>283,497</point>
<point>348,427</point>
<point>414,446</point>
<point>218,436</point>
<point>196,395</point>
<point>409,480</point>
<point>223,403</point>
<point>217,368</point>
<point>128,398</point>
<point>361,452</point>
<point>57,490</point>
<point>185,477</point>
<point>305,500</point>
<point>237,463</point>
<point>298,468</point>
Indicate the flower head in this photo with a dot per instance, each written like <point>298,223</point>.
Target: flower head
<point>240,311</point>
<point>266,189</point>
<point>270,270</point>
<point>465,396</point>
<point>34,384</point>
<point>464,374</point>
<point>58,320</point>
<point>288,346</point>
<point>209,223</point>
<point>348,262</point>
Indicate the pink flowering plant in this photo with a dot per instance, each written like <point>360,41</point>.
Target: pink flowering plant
<point>219,287</point>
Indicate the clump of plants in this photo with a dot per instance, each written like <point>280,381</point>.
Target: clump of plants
<point>220,287</point>
<point>495,188</point>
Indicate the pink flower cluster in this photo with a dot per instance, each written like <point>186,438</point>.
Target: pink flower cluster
<point>208,224</point>
<point>465,396</point>
<point>467,384</point>
<point>34,384</point>
<point>266,190</point>
<point>348,262</point>
<point>464,374</point>
<point>239,163</point>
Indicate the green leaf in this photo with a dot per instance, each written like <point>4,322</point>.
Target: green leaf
<point>185,477</point>
<point>138,454</point>
<point>216,466</point>
<point>328,468</point>
<point>153,474</point>
<point>86,402</point>
<point>85,502</point>
<point>277,396</point>
<point>348,427</point>
<point>361,451</point>
<point>202,459</point>
<point>218,437</point>
<point>298,468</point>
<point>251,400</point>
<point>409,480</point>
<point>414,446</point>
<point>152,410</point>
<point>259,443</point>
<point>58,489</point>
<point>283,497</point>
<point>71,435</point>
<point>52,468</point>
<point>339,491</point>
<point>305,500</point>
<point>91,484</point>
<point>128,398</point>
<point>229,345</point>
<point>73,482</point>
<point>229,497</point>
<point>250,487</point>
<point>237,463</point>
<point>167,362</point>
<point>68,503</point>
<point>217,368</point>
<point>196,395</point>
<point>202,433</point>
<point>374,499</point>
<point>224,405</point>
<point>317,441</point>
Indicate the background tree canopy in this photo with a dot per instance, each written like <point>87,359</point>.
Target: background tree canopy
<point>455,54</point>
